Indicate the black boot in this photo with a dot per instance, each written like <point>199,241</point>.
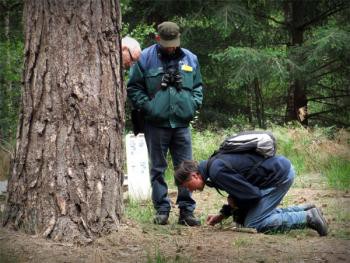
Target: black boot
<point>161,218</point>
<point>316,221</point>
<point>187,218</point>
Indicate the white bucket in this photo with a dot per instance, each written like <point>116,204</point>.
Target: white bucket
<point>138,179</point>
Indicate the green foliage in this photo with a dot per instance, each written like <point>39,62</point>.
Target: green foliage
<point>248,64</point>
<point>5,159</point>
<point>142,33</point>
<point>246,58</point>
<point>337,171</point>
<point>10,71</point>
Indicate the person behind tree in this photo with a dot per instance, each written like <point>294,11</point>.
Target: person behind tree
<point>131,51</point>
<point>166,85</point>
<point>253,194</point>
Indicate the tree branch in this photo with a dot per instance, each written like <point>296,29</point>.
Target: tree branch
<point>326,111</point>
<point>270,18</point>
<point>329,97</point>
<point>324,66</point>
<point>323,15</point>
<point>321,75</point>
<point>329,88</point>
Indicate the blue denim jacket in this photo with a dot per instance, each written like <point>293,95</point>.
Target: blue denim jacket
<point>231,173</point>
<point>168,107</point>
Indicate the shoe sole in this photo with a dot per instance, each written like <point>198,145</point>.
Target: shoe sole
<point>184,223</point>
<point>320,214</point>
<point>160,223</point>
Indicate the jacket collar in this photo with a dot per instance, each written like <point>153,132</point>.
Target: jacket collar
<point>202,168</point>
<point>179,54</point>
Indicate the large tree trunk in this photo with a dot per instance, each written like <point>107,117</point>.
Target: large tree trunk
<point>67,176</point>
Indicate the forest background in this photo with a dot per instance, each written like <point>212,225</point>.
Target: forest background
<point>281,65</point>
<point>263,62</point>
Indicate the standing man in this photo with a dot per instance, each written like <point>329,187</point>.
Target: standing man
<point>166,85</point>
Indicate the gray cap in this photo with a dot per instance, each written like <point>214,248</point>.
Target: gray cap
<point>169,34</point>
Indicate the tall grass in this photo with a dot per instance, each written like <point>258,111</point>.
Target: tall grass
<point>338,173</point>
<point>321,151</point>
<point>318,151</point>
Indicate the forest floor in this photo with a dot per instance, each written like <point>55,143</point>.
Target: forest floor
<point>146,242</point>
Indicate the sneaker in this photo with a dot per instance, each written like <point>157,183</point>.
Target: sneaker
<point>188,219</point>
<point>161,218</point>
<point>316,221</point>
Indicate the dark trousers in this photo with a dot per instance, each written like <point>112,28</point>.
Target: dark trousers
<point>178,141</point>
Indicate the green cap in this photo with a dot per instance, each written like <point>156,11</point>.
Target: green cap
<point>169,34</point>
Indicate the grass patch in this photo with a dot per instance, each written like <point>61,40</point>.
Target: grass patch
<point>8,258</point>
<point>324,151</point>
<point>241,242</point>
<point>141,212</point>
<point>343,233</point>
<point>158,257</point>
<point>338,173</point>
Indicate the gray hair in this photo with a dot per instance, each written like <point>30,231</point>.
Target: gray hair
<point>131,43</point>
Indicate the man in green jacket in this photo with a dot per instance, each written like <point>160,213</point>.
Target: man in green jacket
<point>166,85</point>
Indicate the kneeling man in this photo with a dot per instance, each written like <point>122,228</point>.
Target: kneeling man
<point>254,191</point>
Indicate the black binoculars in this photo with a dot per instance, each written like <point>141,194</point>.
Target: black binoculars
<point>172,77</point>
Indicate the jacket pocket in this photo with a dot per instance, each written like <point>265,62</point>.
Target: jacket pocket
<point>185,108</point>
<point>153,78</point>
<point>187,79</point>
<point>157,108</point>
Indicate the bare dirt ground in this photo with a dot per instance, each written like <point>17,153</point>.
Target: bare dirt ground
<point>135,242</point>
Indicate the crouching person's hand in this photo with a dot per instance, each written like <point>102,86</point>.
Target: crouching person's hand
<point>214,219</point>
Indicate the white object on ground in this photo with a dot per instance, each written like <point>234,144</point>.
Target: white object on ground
<point>3,186</point>
<point>139,184</point>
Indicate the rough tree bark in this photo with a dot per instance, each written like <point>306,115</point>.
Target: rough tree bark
<point>67,175</point>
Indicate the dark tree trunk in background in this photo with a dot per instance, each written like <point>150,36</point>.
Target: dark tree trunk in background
<point>259,104</point>
<point>296,100</point>
<point>67,176</point>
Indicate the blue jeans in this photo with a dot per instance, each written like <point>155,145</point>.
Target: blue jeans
<point>178,141</point>
<point>265,217</point>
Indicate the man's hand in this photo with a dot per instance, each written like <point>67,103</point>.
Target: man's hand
<point>231,202</point>
<point>214,219</point>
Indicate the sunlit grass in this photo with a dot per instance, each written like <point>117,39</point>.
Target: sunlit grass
<point>338,172</point>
